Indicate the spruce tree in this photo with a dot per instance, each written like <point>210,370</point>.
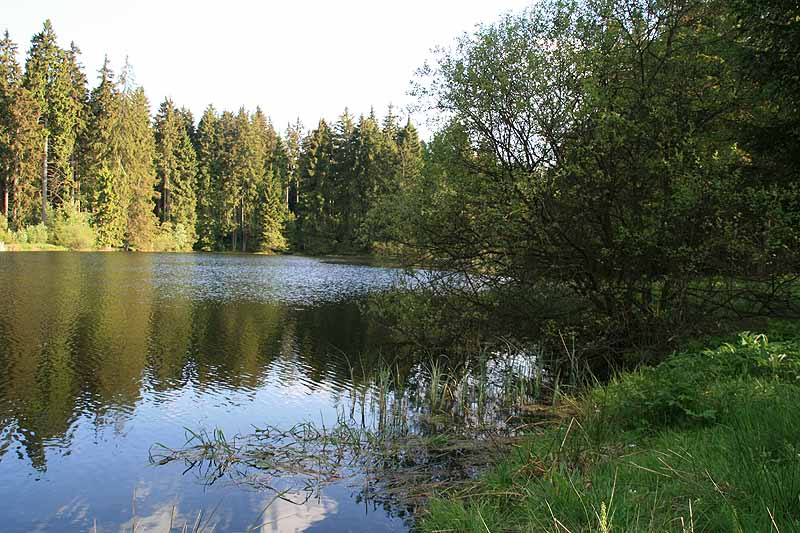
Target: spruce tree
<point>244,175</point>
<point>104,108</point>
<point>315,166</point>
<point>367,176</point>
<point>109,214</point>
<point>19,140</point>
<point>272,217</point>
<point>410,157</point>
<point>80,98</point>
<point>134,148</point>
<point>294,136</point>
<point>209,174</point>
<point>49,74</point>
<point>176,165</point>
<point>339,186</point>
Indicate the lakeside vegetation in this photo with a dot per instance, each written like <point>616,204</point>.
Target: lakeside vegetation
<point>706,441</point>
<point>616,177</point>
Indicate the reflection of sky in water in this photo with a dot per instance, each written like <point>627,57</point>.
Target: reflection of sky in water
<point>104,355</point>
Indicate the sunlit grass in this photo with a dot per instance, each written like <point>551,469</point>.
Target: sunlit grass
<point>708,441</point>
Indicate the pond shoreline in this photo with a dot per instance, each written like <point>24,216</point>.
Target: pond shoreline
<point>682,444</point>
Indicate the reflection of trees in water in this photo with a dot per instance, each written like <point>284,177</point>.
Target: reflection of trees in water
<point>83,335</point>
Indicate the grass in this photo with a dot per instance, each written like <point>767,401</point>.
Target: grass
<point>709,440</point>
<point>34,247</point>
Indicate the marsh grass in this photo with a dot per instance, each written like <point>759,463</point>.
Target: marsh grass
<point>400,433</point>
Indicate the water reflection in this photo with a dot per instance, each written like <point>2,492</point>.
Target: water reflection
<point>101,355</point>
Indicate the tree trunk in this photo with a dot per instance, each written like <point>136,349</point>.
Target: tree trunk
<point>6,185</point>
<point>44,176</point>
<point>244,235</point>
<point>75,182</point>
<point>15,186</point>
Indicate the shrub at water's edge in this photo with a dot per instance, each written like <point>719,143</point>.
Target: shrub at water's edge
<point>706,441</point>
<point>72,229</point>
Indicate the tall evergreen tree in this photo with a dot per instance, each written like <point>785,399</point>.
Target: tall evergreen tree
<point>272,216</point>
<point>409,152</point>
<point>19,140</point>
<point>104,108</point>
<point>79,93</point>
<point>294,136</point>
<point>134,148</point>
<point>339,186</point>
<point>49,76</point>
<point>176,165</point>
<point>315,165</point>
<point>245,172</point>
<point>209,178</point>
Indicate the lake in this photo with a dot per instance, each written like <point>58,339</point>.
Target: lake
<point>103,355</point>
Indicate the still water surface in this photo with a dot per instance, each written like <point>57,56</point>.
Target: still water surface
<point>104,355</point>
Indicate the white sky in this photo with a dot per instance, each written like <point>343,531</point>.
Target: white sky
<point>306,58</point>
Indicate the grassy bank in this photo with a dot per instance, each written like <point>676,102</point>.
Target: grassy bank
<point>709,440</point>
<point>33,247</point>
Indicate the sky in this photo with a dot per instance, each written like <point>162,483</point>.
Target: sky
<point>306,59</point>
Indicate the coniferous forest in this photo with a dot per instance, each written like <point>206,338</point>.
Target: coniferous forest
<point>82,164</point>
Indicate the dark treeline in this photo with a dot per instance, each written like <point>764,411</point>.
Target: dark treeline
<point>83,167</point>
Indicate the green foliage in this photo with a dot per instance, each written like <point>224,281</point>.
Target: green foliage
<point>5,234</point>
<point>273,219</point>
<point>230,183</point>
<point>696,388</point>
<point>31,234</point>
<point>52,77</point>
<point>135,152</point>
<point>71,228</point>
<point>173,238</point>
<point>176,164</point>
<point>109,216</point>
<point>704,442</point>
<point>617,162</point>
<point>209,175</point>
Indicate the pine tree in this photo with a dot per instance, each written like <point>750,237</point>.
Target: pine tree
<point>294,135</point>
<point>176,165</point>
<point>80,98</point>
<point>133,145</point>
<point>104,108</point>
<point>49,77</point>
<point>243,177</point>
<point>338,186</point>
<point>367,177</point>
<point>272,217</point>
<point>315,166</point>
<point>19,140</point>
<point>109,214</point>
<point>209,174</point>
<point>409,150</point>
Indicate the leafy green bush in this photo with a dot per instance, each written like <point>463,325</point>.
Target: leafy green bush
<point>6,235</point>
<point>71,228</point>
<point>32,234</point>
<point>696,388</point>
<point>177,238</point>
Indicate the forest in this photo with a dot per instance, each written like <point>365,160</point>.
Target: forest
<point>621,169</point>
<point>85,168</point>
